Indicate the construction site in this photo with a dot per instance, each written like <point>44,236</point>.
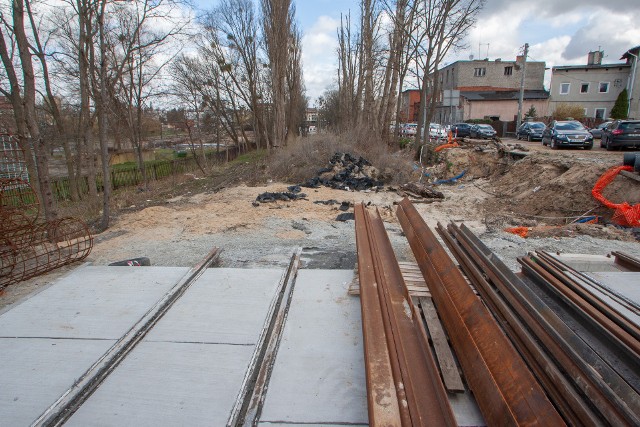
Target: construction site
<point>495,284</point>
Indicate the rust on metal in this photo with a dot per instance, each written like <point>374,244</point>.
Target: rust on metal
<point>504,387</point>
<point>403,382</point>
<point>561,391</point>
<point>627,261</point>
<point>607,392</point>
<point>28,247</point>
<point>625,333</point>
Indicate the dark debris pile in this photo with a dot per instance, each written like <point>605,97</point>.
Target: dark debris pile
<point>294,193</point>
<point>346,172</point>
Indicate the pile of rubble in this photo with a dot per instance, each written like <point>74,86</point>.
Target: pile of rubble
<point>346,172</point>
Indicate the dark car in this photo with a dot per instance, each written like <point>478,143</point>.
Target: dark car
<point>530,131</point>
<point>461,129</point>
<point>597,131</point>
<point>567,133</point>
<point>482,131</point>
<point>621,133</point>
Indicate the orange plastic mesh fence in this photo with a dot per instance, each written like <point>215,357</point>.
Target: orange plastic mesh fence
<point>624,213</point>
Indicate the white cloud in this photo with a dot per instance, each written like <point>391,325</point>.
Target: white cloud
<point>319,56</point>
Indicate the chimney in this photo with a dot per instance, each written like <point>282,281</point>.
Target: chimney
<point>595,58</point>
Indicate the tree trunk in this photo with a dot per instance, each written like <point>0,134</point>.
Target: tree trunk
<point>29,100</point>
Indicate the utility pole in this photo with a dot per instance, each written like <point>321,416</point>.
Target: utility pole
<point>521,98</point>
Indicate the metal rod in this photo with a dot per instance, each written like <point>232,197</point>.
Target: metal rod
<point>504,387</point>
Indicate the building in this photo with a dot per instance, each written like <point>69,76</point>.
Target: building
<point>633,87</point>
<point>409,106</point>
<point>486,89</point>
<point>594,86</point>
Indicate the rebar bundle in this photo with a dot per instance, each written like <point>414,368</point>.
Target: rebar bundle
<point>28,247</point>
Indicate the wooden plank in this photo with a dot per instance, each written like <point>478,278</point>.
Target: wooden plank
<point>448,367</point>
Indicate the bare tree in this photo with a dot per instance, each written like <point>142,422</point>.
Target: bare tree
<point>444,24</point>
<point>25,114</point>
<point>296,102</point>
<point>135,47</point>
<point>277,27</point>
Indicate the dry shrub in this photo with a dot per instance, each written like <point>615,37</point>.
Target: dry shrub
<point>301,160</point>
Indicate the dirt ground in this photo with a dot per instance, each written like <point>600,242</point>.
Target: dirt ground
<point>546,190</point>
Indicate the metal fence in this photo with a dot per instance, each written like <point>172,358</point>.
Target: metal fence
<point>129,177</point>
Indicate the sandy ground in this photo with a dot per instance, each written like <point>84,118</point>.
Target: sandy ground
<point>545,191</point>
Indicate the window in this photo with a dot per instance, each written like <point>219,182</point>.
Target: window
<point>508,71</point>
<point>564,88</point>
<point>604,87</point>
<point>479,72</point>
<point>584,88</point>
<point>600,113</point>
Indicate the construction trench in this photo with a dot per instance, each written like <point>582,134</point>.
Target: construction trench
<point>454,339</point>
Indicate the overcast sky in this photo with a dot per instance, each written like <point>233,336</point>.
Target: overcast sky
<point>558,32</point>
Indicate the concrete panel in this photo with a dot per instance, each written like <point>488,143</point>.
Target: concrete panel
<point>93,302</point>
<point>319,373</point>
<point>626,284</point>
<point>169,384</point>
<point>35,372</point>
<point>224,306</point>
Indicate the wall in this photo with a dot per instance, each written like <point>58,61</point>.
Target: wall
<point>505,110</point>
<point>461,74</point>
<point>616,74</point>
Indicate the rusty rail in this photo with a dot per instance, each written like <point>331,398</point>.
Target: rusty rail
<point>622,332</point>
<point>504,387</point>
<point>403,383</point>
<point>629,262</point>
<point>609,394</point>
<point>560,389</point>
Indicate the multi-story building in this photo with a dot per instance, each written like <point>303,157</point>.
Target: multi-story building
<point>409,106</point>
<point>633,88</point>
<point>594,86</point>
<point>489,89</point>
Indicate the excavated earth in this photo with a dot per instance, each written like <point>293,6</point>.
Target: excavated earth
<point>546,191</point>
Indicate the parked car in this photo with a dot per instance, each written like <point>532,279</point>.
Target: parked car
<point>409,129</point>
<point>436,131</point>
<point>530,131</point>
<point>567,133</point>
<point>482,131</point>
<point>461,129</point>
<point>597,131</point>
<point>621,133</point>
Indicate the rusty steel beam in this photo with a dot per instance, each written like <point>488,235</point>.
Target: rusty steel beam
<point>621,331</point>
<point>561,391</point>
<point>627,261</point>
<point>608,393</point>
<point>403,383</point>
<point>504,387</point>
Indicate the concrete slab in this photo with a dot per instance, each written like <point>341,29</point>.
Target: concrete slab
<point>34,372</point>
<point>92,302</point>
<point>319,376</point>
<point>626,284</point>
<point>225,305</point>
<point>189,369</point>
<point>164,384</point>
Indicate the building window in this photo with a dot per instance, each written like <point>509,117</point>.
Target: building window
<point>584,88</point>
<point>564,88</point>
<point>508,71</point>
<point>600,113</point>
<point>604,87</point>
<point>479,72</point>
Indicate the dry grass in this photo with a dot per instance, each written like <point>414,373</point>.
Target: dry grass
<point>301,161</point>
